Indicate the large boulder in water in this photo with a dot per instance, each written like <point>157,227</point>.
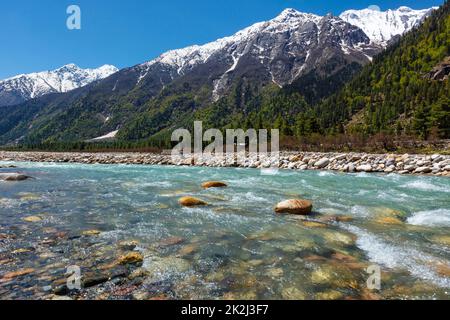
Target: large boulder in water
<point>213,184</point>
<point>294,206</point>
<point>191,202</point>
<point>13,177</point>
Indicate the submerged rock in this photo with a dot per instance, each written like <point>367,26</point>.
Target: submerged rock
<point>32,219</point>
<point>159,268</point>
<point>13,177</point>
<point>214,184</point>
<point>191,202</point>
<point>24,196</point>
<point>19,273</point>
<point>389,220</point>
<point>293,293</point>
<point>131,258</point>
<point>313,224</point>
<point>91,233</point>
<point>294,206</point>
<point>170,241</point>
<point>329,295</point>
<point>128,244</point>
<point>445,240</point>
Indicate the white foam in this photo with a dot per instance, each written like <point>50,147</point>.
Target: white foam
<point>392,256</point>
<point>425,186</point>
<point>431,218</point>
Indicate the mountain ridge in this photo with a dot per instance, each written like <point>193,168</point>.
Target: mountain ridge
<point>20,88</point>
<point>291,50</point>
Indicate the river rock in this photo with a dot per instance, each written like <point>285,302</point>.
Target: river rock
<point>131,258</point>
<point>329,295</point>
<point>389,220</point>
<point>191,202</point>
<point>214,184</point>
<point>91,233</point>
<point>423,170</point>
<point>160,268</point>
<point>32,219</point>
<point>128,245</point>
<point>293,293</point>
<point>18,273</point>
<point>13,177</point>
<point>322,163</point>
<point>364,168</point>
<point>294,206</point>
<point>170,241</point>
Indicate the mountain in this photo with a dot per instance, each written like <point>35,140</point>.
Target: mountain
<point>278,51</point>
<point>34,85</point>
<point>406,89</point>
<point>382,26</point>
<point>296,57</point>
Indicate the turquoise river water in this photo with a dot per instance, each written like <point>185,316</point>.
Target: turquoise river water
<point>234,248</point>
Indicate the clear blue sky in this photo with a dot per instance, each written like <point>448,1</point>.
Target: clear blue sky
<point>34,36</point>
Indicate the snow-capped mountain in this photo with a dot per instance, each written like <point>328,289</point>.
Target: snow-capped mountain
<point>28,86</point>
<point>279,50</point>
<point>382,26</point>
<point>286,47</point>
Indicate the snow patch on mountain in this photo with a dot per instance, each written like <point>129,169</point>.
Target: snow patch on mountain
<point>289,19</point>
<point>382,26</point>
<point>69,77</point>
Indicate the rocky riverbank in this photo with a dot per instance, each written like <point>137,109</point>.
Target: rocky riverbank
<point>438,165</point>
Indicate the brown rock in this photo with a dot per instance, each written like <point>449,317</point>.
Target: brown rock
<point>170,241</point>
<point>91,233</point>
<point>294,206</point>
<point>214,184</point>
<point>18,273</point>
<point>131,258</point>
<point>191,202</point>
<point>32,219</point>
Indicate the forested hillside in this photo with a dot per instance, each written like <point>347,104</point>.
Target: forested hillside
<point>396,93</point>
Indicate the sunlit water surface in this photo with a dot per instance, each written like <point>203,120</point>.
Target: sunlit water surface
<point>236,247</point>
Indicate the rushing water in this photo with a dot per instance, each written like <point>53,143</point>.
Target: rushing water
<point>234,248</point>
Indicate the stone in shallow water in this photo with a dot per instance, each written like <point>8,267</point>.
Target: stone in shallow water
<point>294,206</point>
<point>293,293</point>
<point>275,272</point>
<point>213,184</point>
<point>13,177</point>
<point>389,221</point>
<point>131,258</point>
<point>191,202</point>
<point>91,233</point>
<point>138,273</point>
<point>159,268</point>
<point>188,250</point>
<point>313,224</point>
<point>329,295</point>
<point>170,241</point>
<point>32,219</point>
<point>445,240</point>
<point>442,269</point>
<point>128,244</point>
<point>18,273</point>
<point>24,196</point>
<point>336,237</point>
<point>22,250</point>
<point>322,275</point>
